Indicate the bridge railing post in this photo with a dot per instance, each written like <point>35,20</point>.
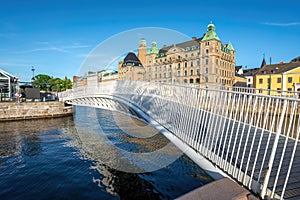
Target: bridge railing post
<point>273,152</point>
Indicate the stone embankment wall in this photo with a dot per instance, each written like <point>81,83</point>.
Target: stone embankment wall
<point>33,110</point>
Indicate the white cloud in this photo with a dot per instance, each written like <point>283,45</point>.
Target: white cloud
<point>47,46</point>
<point>283,24</point>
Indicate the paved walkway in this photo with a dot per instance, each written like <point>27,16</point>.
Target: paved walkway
<point>223,189</point>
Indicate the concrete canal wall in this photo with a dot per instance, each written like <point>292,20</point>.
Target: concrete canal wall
<point>10,111</point>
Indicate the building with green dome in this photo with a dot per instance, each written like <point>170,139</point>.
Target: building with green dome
<point>197,61</point>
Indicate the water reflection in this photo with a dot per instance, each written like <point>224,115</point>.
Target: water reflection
<point>23,137</point>
<point>106,136</point>
<point>101,136</point>
<point>72,158</point>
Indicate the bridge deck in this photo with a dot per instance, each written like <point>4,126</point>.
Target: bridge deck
<point>234,143</point>
<point>204,118</point>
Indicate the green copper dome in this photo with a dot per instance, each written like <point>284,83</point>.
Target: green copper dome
<point>210,33</point>
<point>230,47</point>
<point>153,49</point>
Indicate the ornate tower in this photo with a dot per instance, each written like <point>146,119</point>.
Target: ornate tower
<point>142,51</point>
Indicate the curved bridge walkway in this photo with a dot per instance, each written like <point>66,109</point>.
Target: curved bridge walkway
<point>253,138</point>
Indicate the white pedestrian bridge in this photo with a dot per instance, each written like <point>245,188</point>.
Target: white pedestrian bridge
<point>251,138</point>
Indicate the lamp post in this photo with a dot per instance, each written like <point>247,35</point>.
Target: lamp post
<point>32,69</point>
<point>0,93</point>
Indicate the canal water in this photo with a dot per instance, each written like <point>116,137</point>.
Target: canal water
<point>95,154</point>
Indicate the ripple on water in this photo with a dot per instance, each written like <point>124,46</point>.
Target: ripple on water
<point>47,159</point>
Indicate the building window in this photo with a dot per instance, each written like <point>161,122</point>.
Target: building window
<point>278,80</point>
<point>198,71</point>
<point>260,90</point>
<point>206,70</point>
<point>290,79</point>
<point>290,89</point>
<point>192,55</point>
<point>206,51</point>
<point>192,64</point>
<point>185,73</point>
<point>165,75</point>
<point>198,62</point>
<point>217,61</point>
<point>178,73</point>
<point>191,80</point>
<point>185,80</point>
<point>178,65</point>
<point>206,79</point>
<point>191,72</point>
<point>206,61</point>
<point>159,75</point>
<point>197,80</point>
<point>155,75</point>
<point>260,81</point>
<point>185,64</point>
<point>165,68</point>
<point>279,90</point>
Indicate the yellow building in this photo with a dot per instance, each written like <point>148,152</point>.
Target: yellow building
<point>273,79</point>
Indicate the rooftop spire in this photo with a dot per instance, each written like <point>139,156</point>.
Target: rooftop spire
<point>142,42</point>
<point>153,49</point>
<point>263,63</point>
<point>210,33</point>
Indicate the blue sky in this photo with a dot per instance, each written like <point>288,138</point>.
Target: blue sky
<point>56,36</point>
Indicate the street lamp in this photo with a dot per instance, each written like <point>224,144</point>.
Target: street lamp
<point>32,69</point>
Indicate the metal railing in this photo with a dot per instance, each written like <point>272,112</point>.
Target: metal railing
<point>252,137</point>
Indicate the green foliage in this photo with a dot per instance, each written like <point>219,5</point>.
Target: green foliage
<point>47,83</point>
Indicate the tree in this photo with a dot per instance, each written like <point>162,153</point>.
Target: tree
<point>42,81</point>
<point>47,83</point>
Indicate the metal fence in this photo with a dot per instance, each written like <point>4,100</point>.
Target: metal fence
<point>252,137</point>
